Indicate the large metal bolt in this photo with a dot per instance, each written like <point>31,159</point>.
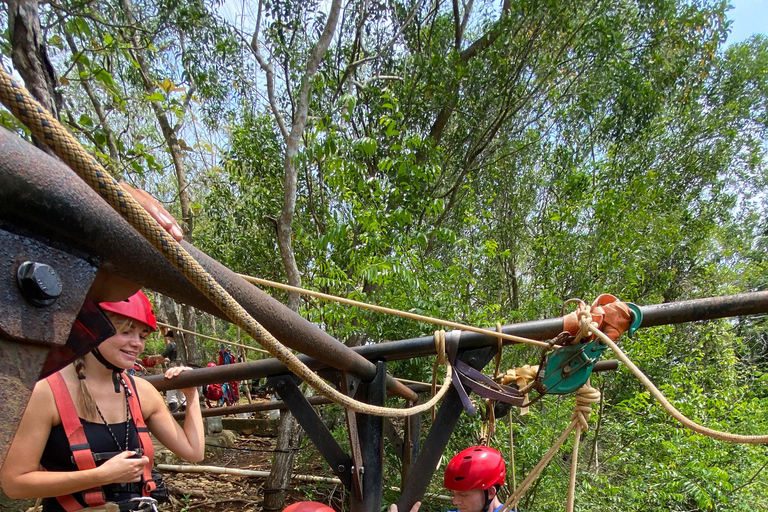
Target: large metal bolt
<point>280,384</point>
<point>39,283</point>
<point>342,468</point>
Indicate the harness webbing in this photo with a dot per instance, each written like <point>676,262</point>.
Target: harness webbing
<point>81,449</point>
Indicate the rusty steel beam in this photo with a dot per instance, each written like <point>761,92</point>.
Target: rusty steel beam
<point>42,196</point>
<point>41,292</point>
<point>600,366</point>
<point>653,315</point>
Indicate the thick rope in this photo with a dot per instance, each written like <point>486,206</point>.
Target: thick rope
<point>390,311</point>
<point>49,130</point>
<point>439,360</point>
<point>671,410</point>
<point>585,397</point>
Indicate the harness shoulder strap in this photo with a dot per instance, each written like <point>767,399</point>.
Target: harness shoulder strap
<point>78,443</point>
<point>144,440</point>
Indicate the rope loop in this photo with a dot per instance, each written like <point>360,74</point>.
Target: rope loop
<point>585,397</point>
<point>439,360</point>
<point>440,346</point>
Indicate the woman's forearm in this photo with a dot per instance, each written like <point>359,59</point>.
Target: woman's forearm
<point>193,428</point>
<point>47,484</point>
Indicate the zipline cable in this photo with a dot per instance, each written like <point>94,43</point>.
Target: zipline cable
<point>391,311</point>
<point>212,338</point>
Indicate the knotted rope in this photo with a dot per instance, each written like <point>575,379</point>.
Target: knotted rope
<point>585,397</point>
<point>439,360</point>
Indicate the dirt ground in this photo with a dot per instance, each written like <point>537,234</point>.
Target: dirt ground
<point>232,493</point>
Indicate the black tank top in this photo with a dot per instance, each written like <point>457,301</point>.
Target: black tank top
<point>58,457</point>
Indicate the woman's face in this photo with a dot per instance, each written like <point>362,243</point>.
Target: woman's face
<point>124,348</point>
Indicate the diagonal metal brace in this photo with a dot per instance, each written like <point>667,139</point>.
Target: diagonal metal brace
<point>286,387</point>
<point>349,385</point>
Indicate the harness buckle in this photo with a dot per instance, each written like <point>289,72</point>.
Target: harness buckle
<point>145,503</point>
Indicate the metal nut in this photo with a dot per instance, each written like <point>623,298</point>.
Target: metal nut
<point>39,283</point>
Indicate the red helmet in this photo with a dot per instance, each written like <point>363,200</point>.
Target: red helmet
<point>135,307</point>
<point>308,506</point>
<point>477,467</point>
<point>211,365</point>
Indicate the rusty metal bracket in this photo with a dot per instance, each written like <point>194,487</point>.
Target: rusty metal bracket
<point>38,306</point>
<point>32,275</point>
<point>349,385</point>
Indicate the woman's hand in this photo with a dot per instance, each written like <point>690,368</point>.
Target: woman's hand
<point>122,468</point>
<point>156,210</point>
<point>170,373</point>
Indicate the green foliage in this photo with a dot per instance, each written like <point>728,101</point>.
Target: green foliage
<point>482,170</point>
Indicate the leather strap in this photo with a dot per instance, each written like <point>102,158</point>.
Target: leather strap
<point>78,443</point>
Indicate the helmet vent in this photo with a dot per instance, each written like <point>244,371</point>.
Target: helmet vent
<point>459,478</point>
<point>468,457</point>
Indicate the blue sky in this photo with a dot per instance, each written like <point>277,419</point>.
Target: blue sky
<point>749,17</point>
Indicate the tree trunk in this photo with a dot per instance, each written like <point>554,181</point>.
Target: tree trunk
<point>189,319</point>
<point>278,481</point>
<point>30,57</point>
<point>171,138</point>
<point>290,432</point>
<point>191,353</point>
<point>168,313</point>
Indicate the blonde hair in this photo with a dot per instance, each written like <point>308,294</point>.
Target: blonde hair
<point>119,321</point>
<point>87,402</point>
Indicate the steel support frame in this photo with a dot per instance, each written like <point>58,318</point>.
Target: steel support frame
<point>439,434</point>
<point>367,432</point>
<point>371,435</point>
<point>286,387</point>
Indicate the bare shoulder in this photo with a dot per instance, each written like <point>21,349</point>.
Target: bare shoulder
<point>42,404</point>
<point>149,396</point>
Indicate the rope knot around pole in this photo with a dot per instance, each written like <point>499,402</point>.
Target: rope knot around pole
<point>585,397</point>
<point>439,360</point>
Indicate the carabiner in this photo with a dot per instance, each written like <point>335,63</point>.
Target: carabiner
<point>146,503</point>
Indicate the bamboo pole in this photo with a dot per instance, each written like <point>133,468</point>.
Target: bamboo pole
<point>184,468</point>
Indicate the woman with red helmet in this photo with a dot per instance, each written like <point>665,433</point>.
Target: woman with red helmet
<point>475,476</point>
<point>88,426</point>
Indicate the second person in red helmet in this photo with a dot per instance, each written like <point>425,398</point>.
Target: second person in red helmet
<point>475,476</point>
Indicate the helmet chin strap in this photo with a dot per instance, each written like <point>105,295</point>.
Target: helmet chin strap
<point>488,500</point>
<point>117,373</point>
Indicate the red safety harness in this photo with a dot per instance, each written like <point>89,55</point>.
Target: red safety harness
<point>81,450</point>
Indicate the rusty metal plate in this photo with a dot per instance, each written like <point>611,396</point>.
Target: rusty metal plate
<point>20,364</point>
<point>20,319</point>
